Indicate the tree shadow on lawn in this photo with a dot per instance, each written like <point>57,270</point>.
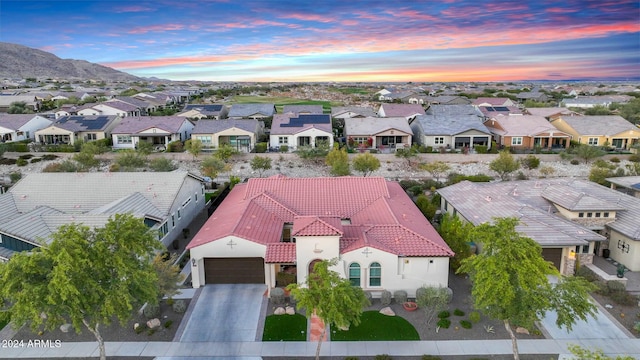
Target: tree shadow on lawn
<point>375,326</point>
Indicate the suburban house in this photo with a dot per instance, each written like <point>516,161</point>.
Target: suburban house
<point>144,107</point>
<point>300,130</point>
<point>629,185</point>
<point>199,111</point>
<point>242,134</point>
<point>493,101</point>
<point>450,132</point>
<point>451,127</point>
<point>527,132</point>
<point>157,130</point>
<point>30,211</point>
<point>69,129</point>
<point>17,127</point>
<point>448,100</point>
<point>345,112</point>
<point>493,111</point>
<point>303,109</point>
<point>567,217</point>
<point>117,108</point>
<point>269,226</point>
<point>31,102</point>
<point>599,130</point>
<point>407,111</point>
<point>550,113</point>
<point>533,95</point>
<point>586,102</point>
<point>251,111</point>
<point>389,133</point>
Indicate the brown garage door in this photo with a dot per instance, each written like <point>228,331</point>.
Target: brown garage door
<point>553,255</point>
<point>234,270</point>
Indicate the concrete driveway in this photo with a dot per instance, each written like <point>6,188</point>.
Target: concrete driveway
<point>600,327</point>
<point>225,313</point>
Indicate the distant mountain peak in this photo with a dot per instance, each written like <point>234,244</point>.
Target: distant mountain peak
<point>18,61</point>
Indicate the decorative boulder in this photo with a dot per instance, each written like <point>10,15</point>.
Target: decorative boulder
<point>387,311</point>
<point>521,330</point>
<point>153,323</point>
<point>136,326</point>
<point>289,310</point>
<point>65,328</point>
<point>279,311</point>
<point>400,296</point>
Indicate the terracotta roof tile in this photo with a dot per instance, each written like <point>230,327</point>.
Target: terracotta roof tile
<point>280,253</point>
<point>316,226</point>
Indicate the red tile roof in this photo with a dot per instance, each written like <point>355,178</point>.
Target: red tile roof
<point>280,253</point>
<point>380,212</point>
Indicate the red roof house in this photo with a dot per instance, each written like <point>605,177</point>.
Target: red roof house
<point>273,225</point>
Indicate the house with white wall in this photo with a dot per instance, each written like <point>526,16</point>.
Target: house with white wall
<point>295,130</point>
<point>268,226</point>
<point>18,127</point>
<point>30,211</point>
<point>157,130</point>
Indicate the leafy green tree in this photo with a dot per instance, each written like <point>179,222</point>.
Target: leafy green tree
<point>225,152</point>
<point>587,152</point>
<point>260,164</point>
<point>509,281</point>
<point>86,277</point>
<point>212,166</point>
<point>194,147</point>
<point>366,163</point>
<point>338,160</point>
<point>168,273</point>
<point>432,300</point>
<point>426,206</point>
<point>585,354</point>
<point>19,107</point>
<point>504,165</point>
<point>408,154</point>
<point>436,168</point>
<point>458,235</point>
<point>597,110</point>
<point>331,297</point>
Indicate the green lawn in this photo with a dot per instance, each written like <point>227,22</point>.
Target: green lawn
<point>285,328</point>
<point>377,327</point>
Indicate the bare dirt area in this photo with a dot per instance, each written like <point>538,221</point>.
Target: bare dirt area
<point>115,332</point>
<point>626,315</point>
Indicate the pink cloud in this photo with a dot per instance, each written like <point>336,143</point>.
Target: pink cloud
<point>156,28</point>
<point>132,9</point>
<point>308,17</point>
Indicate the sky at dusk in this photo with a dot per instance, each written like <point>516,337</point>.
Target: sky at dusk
<point>347,40</point>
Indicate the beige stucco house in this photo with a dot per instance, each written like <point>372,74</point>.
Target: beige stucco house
<point>606,130</point>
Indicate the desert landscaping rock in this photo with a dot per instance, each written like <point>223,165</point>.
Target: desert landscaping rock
<point>387,311</point>
<point>65,328</point>
<point>279,311</point>
<point>290,310</point>
<point>153,323</point>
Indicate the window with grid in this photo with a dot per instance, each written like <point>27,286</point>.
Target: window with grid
<point>438,140</point>
<point>375,274</point>
<point>516,141</point>
<point>354,274</point>
<point>593,141</point>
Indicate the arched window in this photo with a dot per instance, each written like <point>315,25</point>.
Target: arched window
<point>354,274</point>
<point>375,274</point>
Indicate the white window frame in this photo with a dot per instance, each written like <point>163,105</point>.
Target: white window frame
<point>516,140</point>
<point>124,139</point>
<point>283,140</point>
<point>593,141</point>
<point>438,140</point>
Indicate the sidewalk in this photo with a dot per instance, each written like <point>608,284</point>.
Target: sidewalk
<point>180,350</point>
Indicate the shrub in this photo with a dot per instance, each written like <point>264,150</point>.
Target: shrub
<point>151,332</point>
<point>634,158</point>
<point>49,157</point>
<point>636,327</point>
<point>114,168</point>
<point>140,328</point>
<point>400,296</point>
<point>368,296</point>
<point>170,301</point>
<point>575,162</point>
<point>624,298</point>
<point>416,190</point>
<point>35,160</point>
<point>444,323</point>
<point>614,160</point>
<point>175,146</point>
<point>179,306</point>
<point>284,148</point>
<point>151,311</point>
<point>530,162</point>
<point>474,317</point>
<point>586,273</point>
<point>26,156</point>
<point>261,147</point>
<point>615,286</point>
<point>162,164</point>
<point>444,314</point>
<point>277,296</point>
<point>64,166</point>
<point>430,357</point>
<point>15,176</point>
<point>168,324</point>
<point>458,312</point>
<point>21,162</point>
<point>385,298</point>
<point>352,358</point>
<point>7,161</point>
<point>521,176</point>
<point>383,357</point>
<point>481,149</point>
<point>466,324</point>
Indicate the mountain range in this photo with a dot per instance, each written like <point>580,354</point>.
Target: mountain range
<point>18,61</point>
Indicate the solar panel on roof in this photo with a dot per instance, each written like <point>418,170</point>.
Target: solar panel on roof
<point>302,120</point>
<point>636,186</point>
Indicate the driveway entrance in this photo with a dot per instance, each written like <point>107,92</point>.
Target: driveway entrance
<point>225,312</point>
